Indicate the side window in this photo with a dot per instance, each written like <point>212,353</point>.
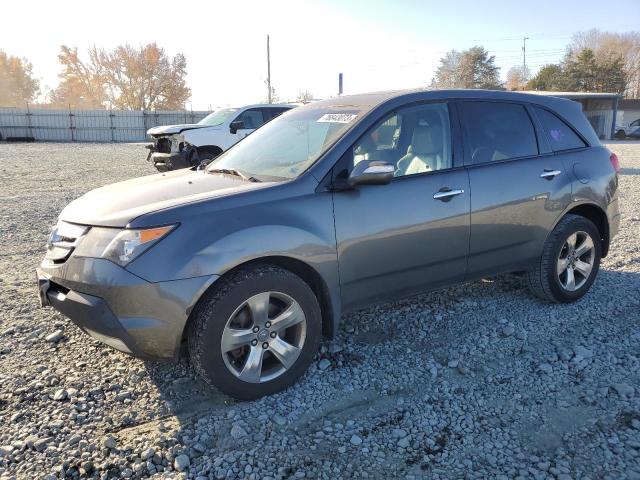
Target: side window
<point>414,140</point>
<point>497,131</point>
<point>561,135</point>
<point>251,118</point>
<point>635,123</point>
<point>271,113</point>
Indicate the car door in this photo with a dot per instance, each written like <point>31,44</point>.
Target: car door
<point>518,186</point>
<point>251,119</point>
<point>413,233</point>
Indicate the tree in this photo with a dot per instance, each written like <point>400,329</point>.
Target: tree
<point>144,78</point>
<point>608,48</point>
<point>129,78</point>
<point>81,83</point>
<point>472,68</point>
<point>304,96</point>
<point>17,85</point>
<point>274,96</point>
<point>549,77</point>
<point>584,72</point>
<point>517,78</point>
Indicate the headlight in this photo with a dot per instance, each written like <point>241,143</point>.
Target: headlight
<point>119,246</point>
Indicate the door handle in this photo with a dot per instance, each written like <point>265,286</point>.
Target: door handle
<point>447,194</point>
<point>549,174</point>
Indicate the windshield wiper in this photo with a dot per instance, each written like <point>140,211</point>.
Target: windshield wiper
<point>233,171</point>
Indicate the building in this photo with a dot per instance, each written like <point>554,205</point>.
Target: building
<point>599,108</point>
<point>628,111</point>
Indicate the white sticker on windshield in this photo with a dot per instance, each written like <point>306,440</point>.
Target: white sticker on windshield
<point>337,117</point>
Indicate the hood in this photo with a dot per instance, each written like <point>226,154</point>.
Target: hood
<point>118,204</point>
<point>171,129</point>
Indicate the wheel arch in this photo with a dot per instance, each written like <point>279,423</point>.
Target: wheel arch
<point>306,272</point>
<point>599,218</point>
<point>210,149</point>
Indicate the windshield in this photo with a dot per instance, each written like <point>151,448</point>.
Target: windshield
<point>285,147</point>
<point>218,117</point>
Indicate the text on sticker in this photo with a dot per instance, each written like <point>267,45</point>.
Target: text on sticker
<point>337,117</point>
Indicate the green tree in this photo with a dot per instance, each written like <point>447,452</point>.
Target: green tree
<point>549,77</point>
<point>472,68</point>
<point>608,47</point>
<point>17,85</point>
<point>585,73</point>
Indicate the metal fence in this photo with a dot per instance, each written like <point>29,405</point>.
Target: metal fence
<point>87,125</point>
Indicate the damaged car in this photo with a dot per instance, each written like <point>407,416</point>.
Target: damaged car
<point>185,146</point>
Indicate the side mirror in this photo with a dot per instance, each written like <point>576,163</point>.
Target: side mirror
<point>235,126</point>
<point>368,172</point>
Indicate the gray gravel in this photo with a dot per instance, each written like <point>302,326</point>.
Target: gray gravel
<point>481,380</point>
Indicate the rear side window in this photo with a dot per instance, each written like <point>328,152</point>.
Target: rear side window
<point>497,131</point>
<point>271,113</point>
<point>561,135</point>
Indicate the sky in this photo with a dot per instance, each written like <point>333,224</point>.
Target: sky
<point>377,45</point>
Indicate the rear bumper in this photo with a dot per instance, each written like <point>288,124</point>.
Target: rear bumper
<point>120,309</point>
<point>169,161</point>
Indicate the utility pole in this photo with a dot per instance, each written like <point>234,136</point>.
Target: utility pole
<point>268,70</point>
<point>340,84</point>
<point>524,57</point>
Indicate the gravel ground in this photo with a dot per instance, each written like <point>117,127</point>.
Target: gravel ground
<point>481,380</point>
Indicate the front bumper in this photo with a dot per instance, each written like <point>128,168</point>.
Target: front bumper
<point>120,309</point>
<point>169,161</point>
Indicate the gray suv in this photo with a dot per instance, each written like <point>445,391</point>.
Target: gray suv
<point>331,207</point>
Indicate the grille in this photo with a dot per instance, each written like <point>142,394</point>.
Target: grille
<point>63,239</point>
<point>163,145</point>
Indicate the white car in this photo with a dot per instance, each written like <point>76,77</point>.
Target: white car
<point>622,131</point>
<point>182,146</point>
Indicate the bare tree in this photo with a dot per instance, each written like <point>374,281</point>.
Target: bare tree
<point>17,85</point>
<point>304,96</point>
<point>472,68</point>
<point>517,78</point>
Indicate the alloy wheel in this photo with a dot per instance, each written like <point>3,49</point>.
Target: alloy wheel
<point>263,337</point>
<point>575,261</point>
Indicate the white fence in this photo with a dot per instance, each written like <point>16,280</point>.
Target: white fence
<point>87,125</point>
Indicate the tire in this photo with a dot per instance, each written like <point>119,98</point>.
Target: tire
<point>196,158</point>
<point>545,279</point>
<point>621,135</point>
<point>228,308</point>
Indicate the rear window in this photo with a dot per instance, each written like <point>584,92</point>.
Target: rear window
<point>561,135</point>
<point>498,131</point>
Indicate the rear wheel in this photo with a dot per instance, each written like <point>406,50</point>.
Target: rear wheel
<point>570,261</point>
<point>256,333</point>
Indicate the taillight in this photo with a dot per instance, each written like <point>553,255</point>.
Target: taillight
<point>615,162</point>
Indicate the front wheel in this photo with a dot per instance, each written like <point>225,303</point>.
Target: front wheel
<point>256,333</point>
<point>570,261</point>
<point>621,134</point>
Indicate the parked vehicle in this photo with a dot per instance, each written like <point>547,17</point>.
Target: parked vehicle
<point>332,207</point>
<point>182,146</point>
<point>623,131</point>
